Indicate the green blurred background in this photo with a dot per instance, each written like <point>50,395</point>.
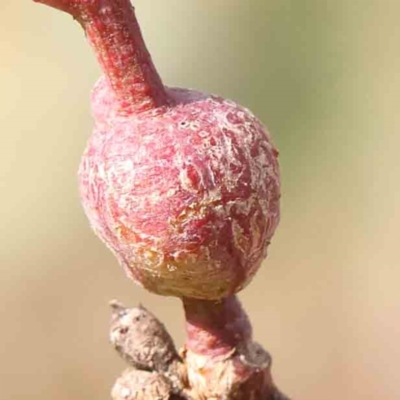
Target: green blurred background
<point>324,77</point>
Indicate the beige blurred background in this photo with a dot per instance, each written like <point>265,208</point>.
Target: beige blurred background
<point>324,76</point>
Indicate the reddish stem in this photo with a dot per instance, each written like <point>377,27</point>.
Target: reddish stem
<point>215,328</point>
<point>114,33</point>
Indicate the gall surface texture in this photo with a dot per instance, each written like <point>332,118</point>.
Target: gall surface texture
<point>187,192</point>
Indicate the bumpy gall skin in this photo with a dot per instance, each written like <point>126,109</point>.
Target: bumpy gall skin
<point>186,196</point>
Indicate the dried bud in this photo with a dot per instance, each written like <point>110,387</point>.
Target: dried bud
<point>141,339</point>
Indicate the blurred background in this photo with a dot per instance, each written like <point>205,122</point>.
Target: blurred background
<point>324,77</point>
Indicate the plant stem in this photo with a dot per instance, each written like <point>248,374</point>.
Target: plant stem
<point>157,372</point>
<point>114,33</point>
<point>214,328</point>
